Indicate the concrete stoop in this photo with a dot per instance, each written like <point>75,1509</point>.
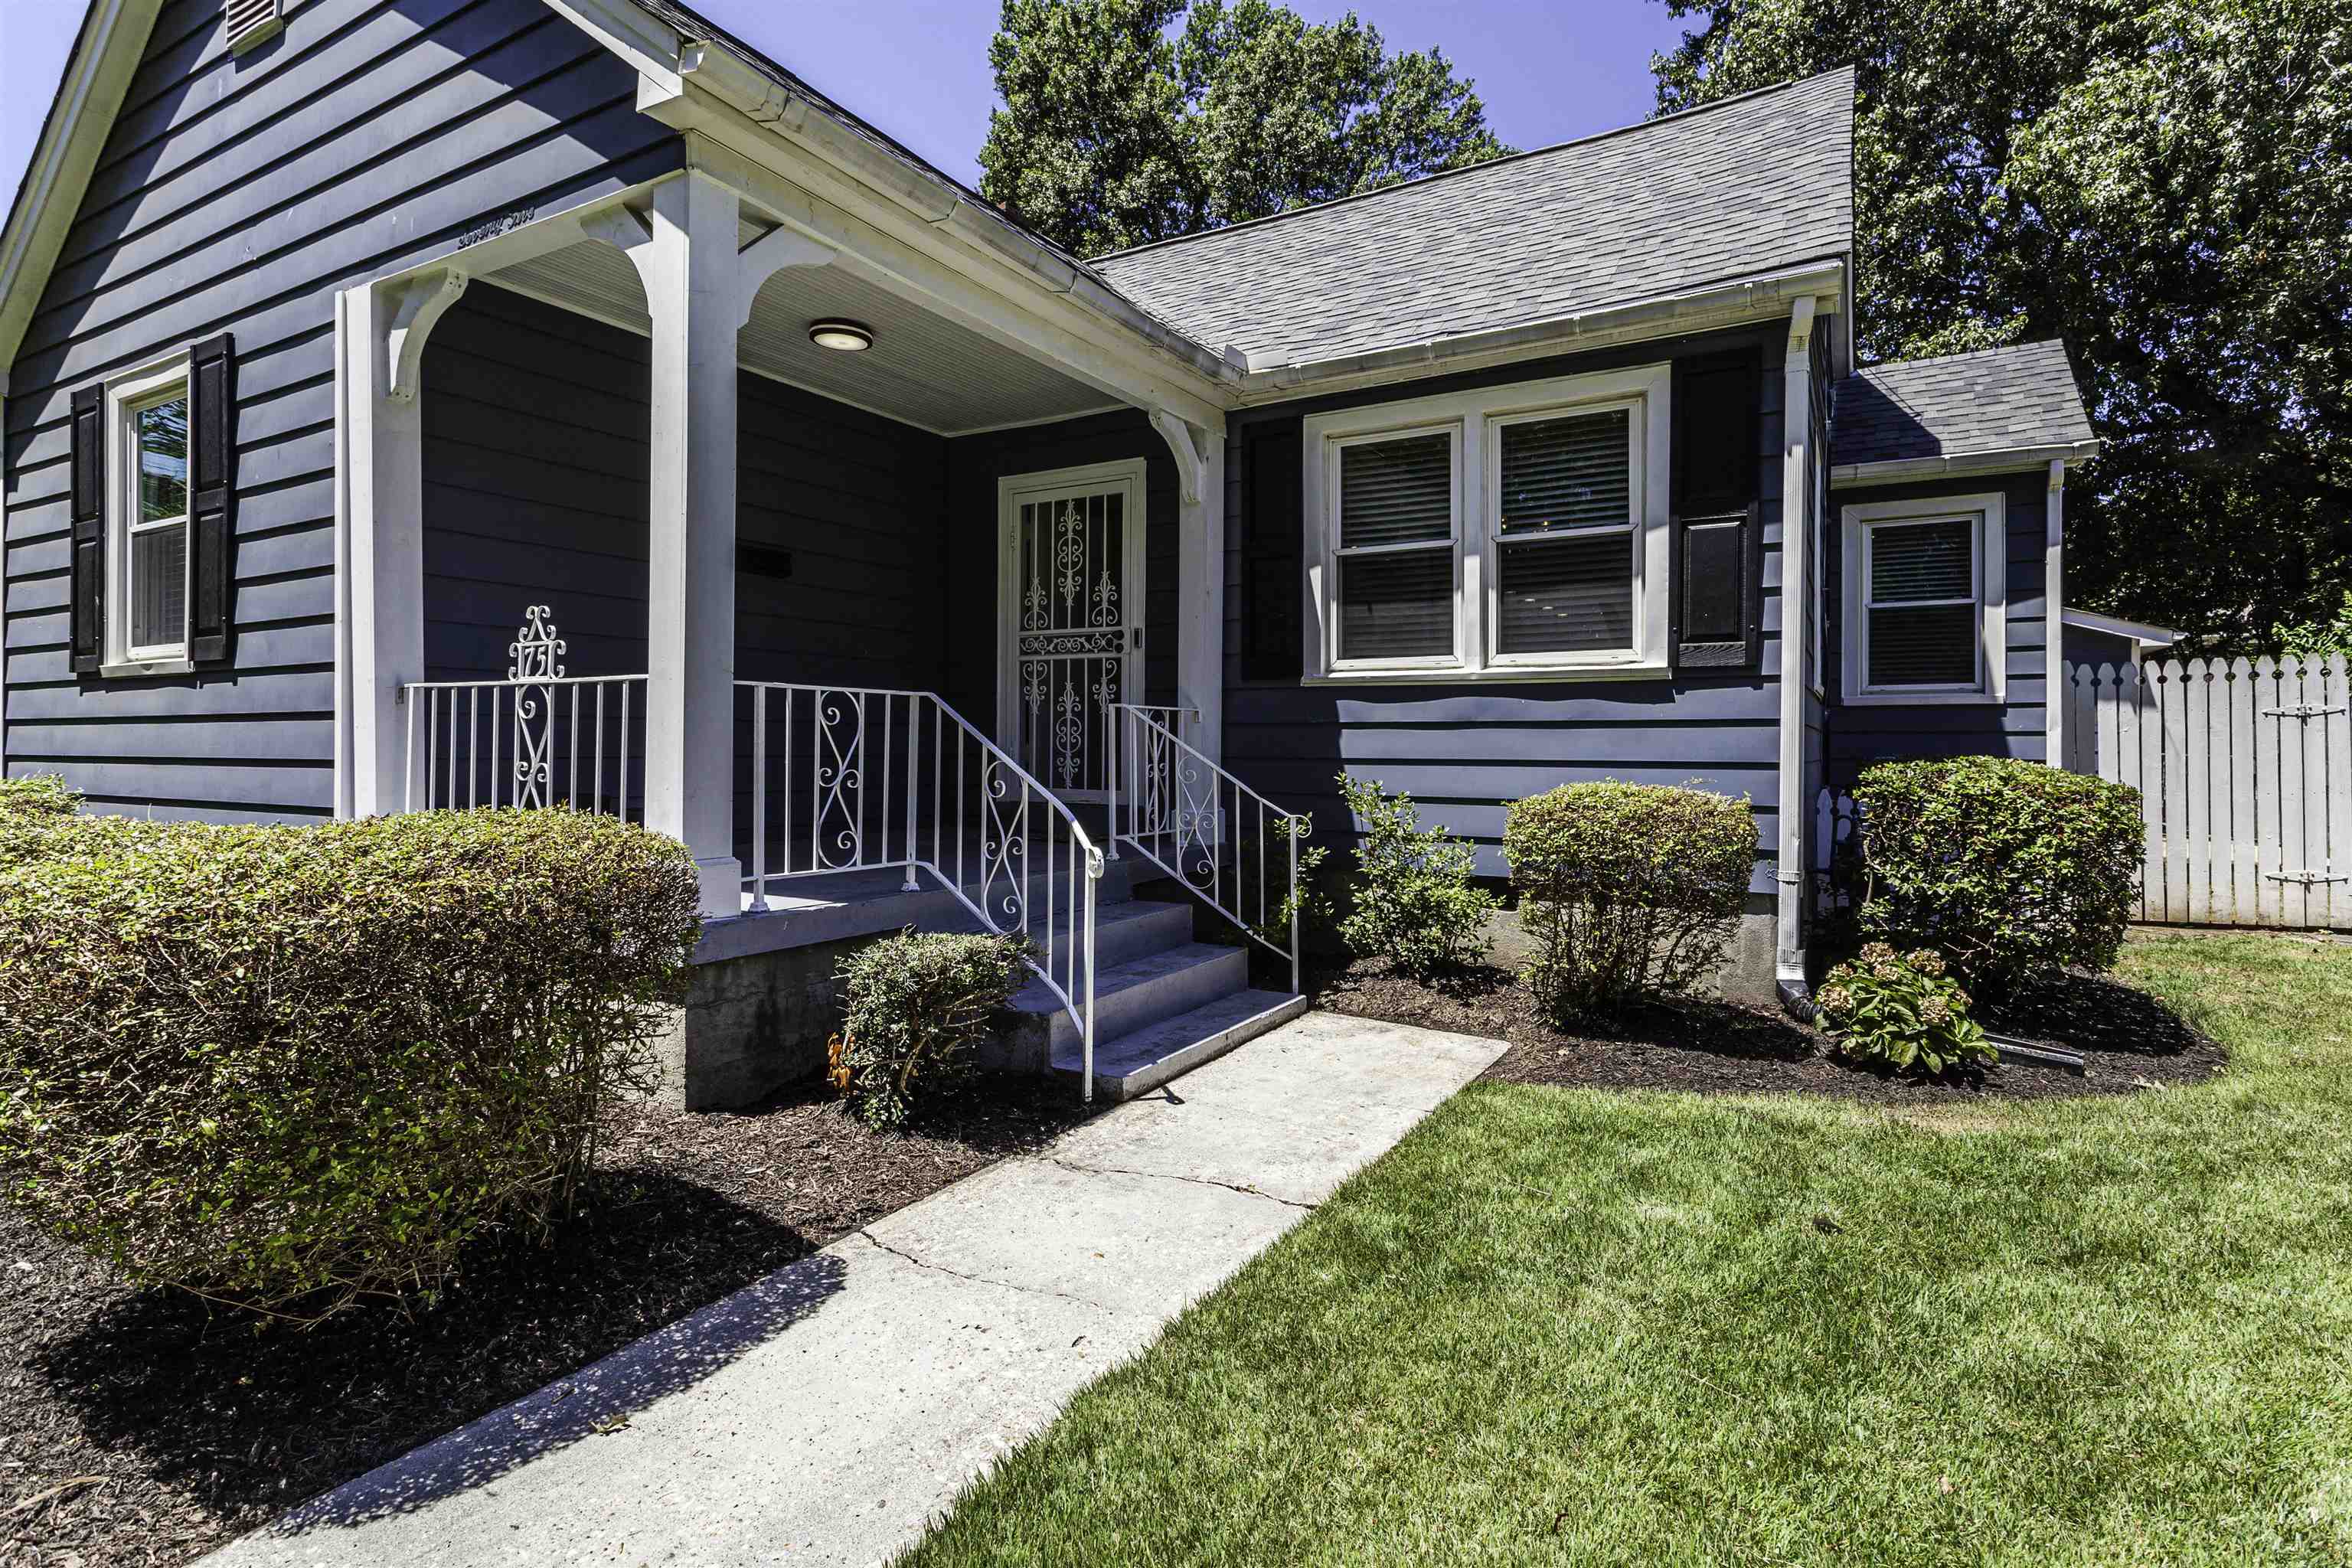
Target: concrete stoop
<point>764,997</point>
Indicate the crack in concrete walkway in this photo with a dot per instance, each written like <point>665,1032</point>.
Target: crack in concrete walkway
<point>821,1415</point>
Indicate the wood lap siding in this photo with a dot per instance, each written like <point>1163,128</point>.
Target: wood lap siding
<point>1464,751</point>
<point>2014,728</point>
<point>237,196</point>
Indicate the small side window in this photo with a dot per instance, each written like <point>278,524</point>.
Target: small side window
<point>1924,601</point>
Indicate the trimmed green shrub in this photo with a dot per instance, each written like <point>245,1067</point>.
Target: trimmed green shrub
<point>290,1067</point>
<point>1903,1009</point>
<point>1626,889</point>
<point>2011,870</point>
<point>918,1003</point>
<point>1412,903</point>
<point>38,794</point>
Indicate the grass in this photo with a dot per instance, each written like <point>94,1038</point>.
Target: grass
<point>1570,1326</point>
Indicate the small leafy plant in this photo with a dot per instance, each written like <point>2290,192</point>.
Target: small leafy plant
<point>1414,904</point>
<point>1903,1009</point>
<point>918,1003</point>
<point>1307,901</point>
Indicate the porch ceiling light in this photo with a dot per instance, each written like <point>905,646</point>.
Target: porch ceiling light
<point>834,333</point>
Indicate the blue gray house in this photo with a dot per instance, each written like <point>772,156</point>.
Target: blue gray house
<point>412,402</point>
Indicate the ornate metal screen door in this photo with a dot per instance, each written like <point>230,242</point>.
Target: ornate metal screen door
<point>1072,583</point>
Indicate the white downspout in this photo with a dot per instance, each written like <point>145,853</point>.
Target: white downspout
<point>2053,598</point>
<point>1796,623</point>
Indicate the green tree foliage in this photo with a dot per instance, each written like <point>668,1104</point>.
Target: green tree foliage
<point>1116,132</point>
<point>2166,185</point>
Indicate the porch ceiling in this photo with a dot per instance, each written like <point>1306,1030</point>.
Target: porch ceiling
<point>923,368</point>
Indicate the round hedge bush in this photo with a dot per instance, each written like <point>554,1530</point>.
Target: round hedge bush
<point>290,1067</point>
<point>1626,888</point>
<point>2011,870</point>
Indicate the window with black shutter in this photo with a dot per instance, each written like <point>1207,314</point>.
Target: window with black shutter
<point>152,490</point>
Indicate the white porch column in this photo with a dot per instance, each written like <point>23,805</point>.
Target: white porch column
<point>2054,594</point>
<point>382,330</point>
<point>1797,589</point>
<point>686,258</point>
<point>1199,452</point>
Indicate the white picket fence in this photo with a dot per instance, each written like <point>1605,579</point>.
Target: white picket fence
<point>2244,767</point>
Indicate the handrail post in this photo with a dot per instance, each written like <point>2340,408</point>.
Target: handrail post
<point>1094,873</point>
<point>914,772</point>
<point>1116,720</point>
<point>1298,908</point>
<point>760,798</point>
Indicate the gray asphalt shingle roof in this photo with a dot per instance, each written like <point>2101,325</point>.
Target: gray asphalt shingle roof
<point>1993,400</point>
<point>1745,186</point>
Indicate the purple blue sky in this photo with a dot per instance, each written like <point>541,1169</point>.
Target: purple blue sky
<point>1548,71</point>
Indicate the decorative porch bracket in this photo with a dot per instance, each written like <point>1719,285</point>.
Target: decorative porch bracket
<point>1199,453</point>
<point>416,308</point>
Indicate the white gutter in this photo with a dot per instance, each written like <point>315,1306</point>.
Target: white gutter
<point>2054,603</point>
<point>2116,626</point>
<point>1766,297</point>
<point>1796,625</point>
<point>1994,460</point>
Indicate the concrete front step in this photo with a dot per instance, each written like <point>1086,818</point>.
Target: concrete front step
<point>1130,996</point>
<point>1130,929</point>
<point>1142,1060</point>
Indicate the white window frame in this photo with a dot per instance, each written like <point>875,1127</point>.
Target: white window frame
<point>1989,540</point>
<point>127,396</point>
<point>1452,545</point>
<point>1474,418</point>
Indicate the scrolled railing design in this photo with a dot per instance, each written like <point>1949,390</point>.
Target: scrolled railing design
<point>864,778</point>
<point>1227,845</point>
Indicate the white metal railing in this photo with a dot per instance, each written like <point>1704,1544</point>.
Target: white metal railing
<point>1228,845</point>
<point>530,740</point>
<point>849,778</point>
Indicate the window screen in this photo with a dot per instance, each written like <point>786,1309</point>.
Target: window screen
<point>1922,605</point>
<point>1564,525</point>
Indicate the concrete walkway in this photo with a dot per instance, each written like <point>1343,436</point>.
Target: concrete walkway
<point>822,1415</point>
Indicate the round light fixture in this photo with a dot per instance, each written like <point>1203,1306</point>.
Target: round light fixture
<point>849,337</point>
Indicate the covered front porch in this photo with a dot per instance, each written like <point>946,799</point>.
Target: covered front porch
<point>711,507</point>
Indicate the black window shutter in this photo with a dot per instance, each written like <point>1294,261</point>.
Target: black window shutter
<point>1272,584</point>
<point>1718,560</point>
<point>212,494</point>
<point>85,558</point>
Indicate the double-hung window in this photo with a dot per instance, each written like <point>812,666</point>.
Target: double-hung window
<point>1517,531</point>
<point>150,518</point>
<point>1924,600</point>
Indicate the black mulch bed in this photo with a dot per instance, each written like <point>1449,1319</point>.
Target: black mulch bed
<point>2129,1040</point>
<point>136,1427</point>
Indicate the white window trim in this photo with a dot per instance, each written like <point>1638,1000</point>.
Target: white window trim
<point>1473,418</point>
<point>126,395</point>
<point>1990,539</point>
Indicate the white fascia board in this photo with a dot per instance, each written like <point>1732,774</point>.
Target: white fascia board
<point>1770,295</point>
<point>89,95</point>
<point>1996,460</point>
<point>2116,626</point>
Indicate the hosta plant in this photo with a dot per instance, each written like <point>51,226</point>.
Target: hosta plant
<point>1903,1009</point>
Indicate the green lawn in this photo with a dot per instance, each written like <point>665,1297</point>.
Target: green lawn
<point>1565,1326</point>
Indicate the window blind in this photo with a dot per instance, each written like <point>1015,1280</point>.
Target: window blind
<point>1566,595</point>
<point>1396,493</point>
<point>1565,473</point>
<point>1923,610</point>
<point>1396,605</point>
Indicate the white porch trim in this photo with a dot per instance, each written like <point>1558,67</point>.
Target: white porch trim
<point>1796,586</point>
<point>1199,453</point>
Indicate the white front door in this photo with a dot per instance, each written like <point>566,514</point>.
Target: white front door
<point>1070,585</point>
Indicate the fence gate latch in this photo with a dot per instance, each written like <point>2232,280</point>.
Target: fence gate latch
<point>2303,711</point>
<point>2308,878</point>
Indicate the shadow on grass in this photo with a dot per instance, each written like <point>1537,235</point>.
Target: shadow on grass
<point>251,1418</point>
